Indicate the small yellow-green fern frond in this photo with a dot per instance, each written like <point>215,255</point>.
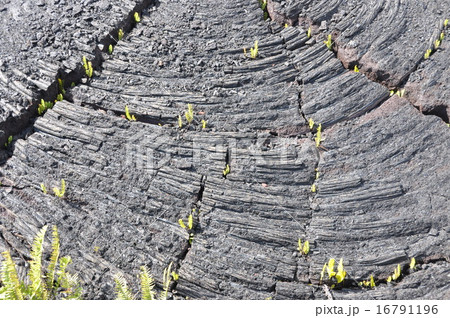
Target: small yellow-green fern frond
<point>60,193</point>
<point>147,284</point>
<point>8,276</point>
<point>305,249</point>
<point>189,114</point>
<point>127,114</point>
<point>53,258</point>
<point>137,18</point>
<point>319,135</point>
<point>254,51</point>
<point>122,290</point>
<point>190,222</point>
<point>341,273</point>
<point>330,268</point>
<point>412,264</point>
<point>37,285</point>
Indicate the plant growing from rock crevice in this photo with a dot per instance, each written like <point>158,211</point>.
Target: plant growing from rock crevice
<point>60,192</point>
<point>89,71</point>
<point>128,116</point>
<point>338,276</point>
<point>303,248</point>
<point>147,285</point>
<point>44,106</point>
<point>329,42</point>
<point>8,141</point>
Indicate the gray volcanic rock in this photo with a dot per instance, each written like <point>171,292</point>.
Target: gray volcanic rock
<point>428,88</point>
<point>246,166</point>
<point>387,40</point>
<point>42,41</point>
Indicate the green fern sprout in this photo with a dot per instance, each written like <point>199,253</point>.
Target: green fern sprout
<point>437,43</point>
<point>412,264</point>
<point>308,34</point>
<point>120,34</point>
<point>127,114</point>
<point>9,141</point>
<point>328,42</point>
<point>61,87</point>
<point>396,275</point>
<point>329,268</point>
<point>427,54</point>
<point>189,114</point>
<point>254,50</point>
<point>190,222</point>
<point>110,49</point>
<point>60,193</point>
<point>311,123</point>
<point>445,23</point>
<point>137,18</point>
<point>226,171</point>
<point>180,121</point>
<point>303,248</point>
<point>313,188</point>
<point>43,106</point>
<point>43,188</point>
<point>88,67</point>
<point>356,69</point>
<point>370,283</point>
<point>319,135</point>
<point>204,122</point>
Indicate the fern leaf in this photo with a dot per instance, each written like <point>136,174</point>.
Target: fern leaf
<point>190,222</point>
<point>74,290</point>
<point>53,259</point>
<point>35,272</point>
<point>11,289</point>
<point>147,284</point>
<point>122,290</point>
<point>167,279</point>
<point>62,274</point>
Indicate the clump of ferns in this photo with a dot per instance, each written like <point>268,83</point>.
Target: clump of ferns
<point>44,106</point>
<point>398,271</point>
<point>303,248</point>
<point>147,285</point>
<point>318,130</point>
<point>88,69</point>
<point>189,227</point>
<point>253,51</point>
<point>53,283</point>
<point>59,192</point>
<point>188,118</point>
<point>436,42</point>
<point>332,277</point>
